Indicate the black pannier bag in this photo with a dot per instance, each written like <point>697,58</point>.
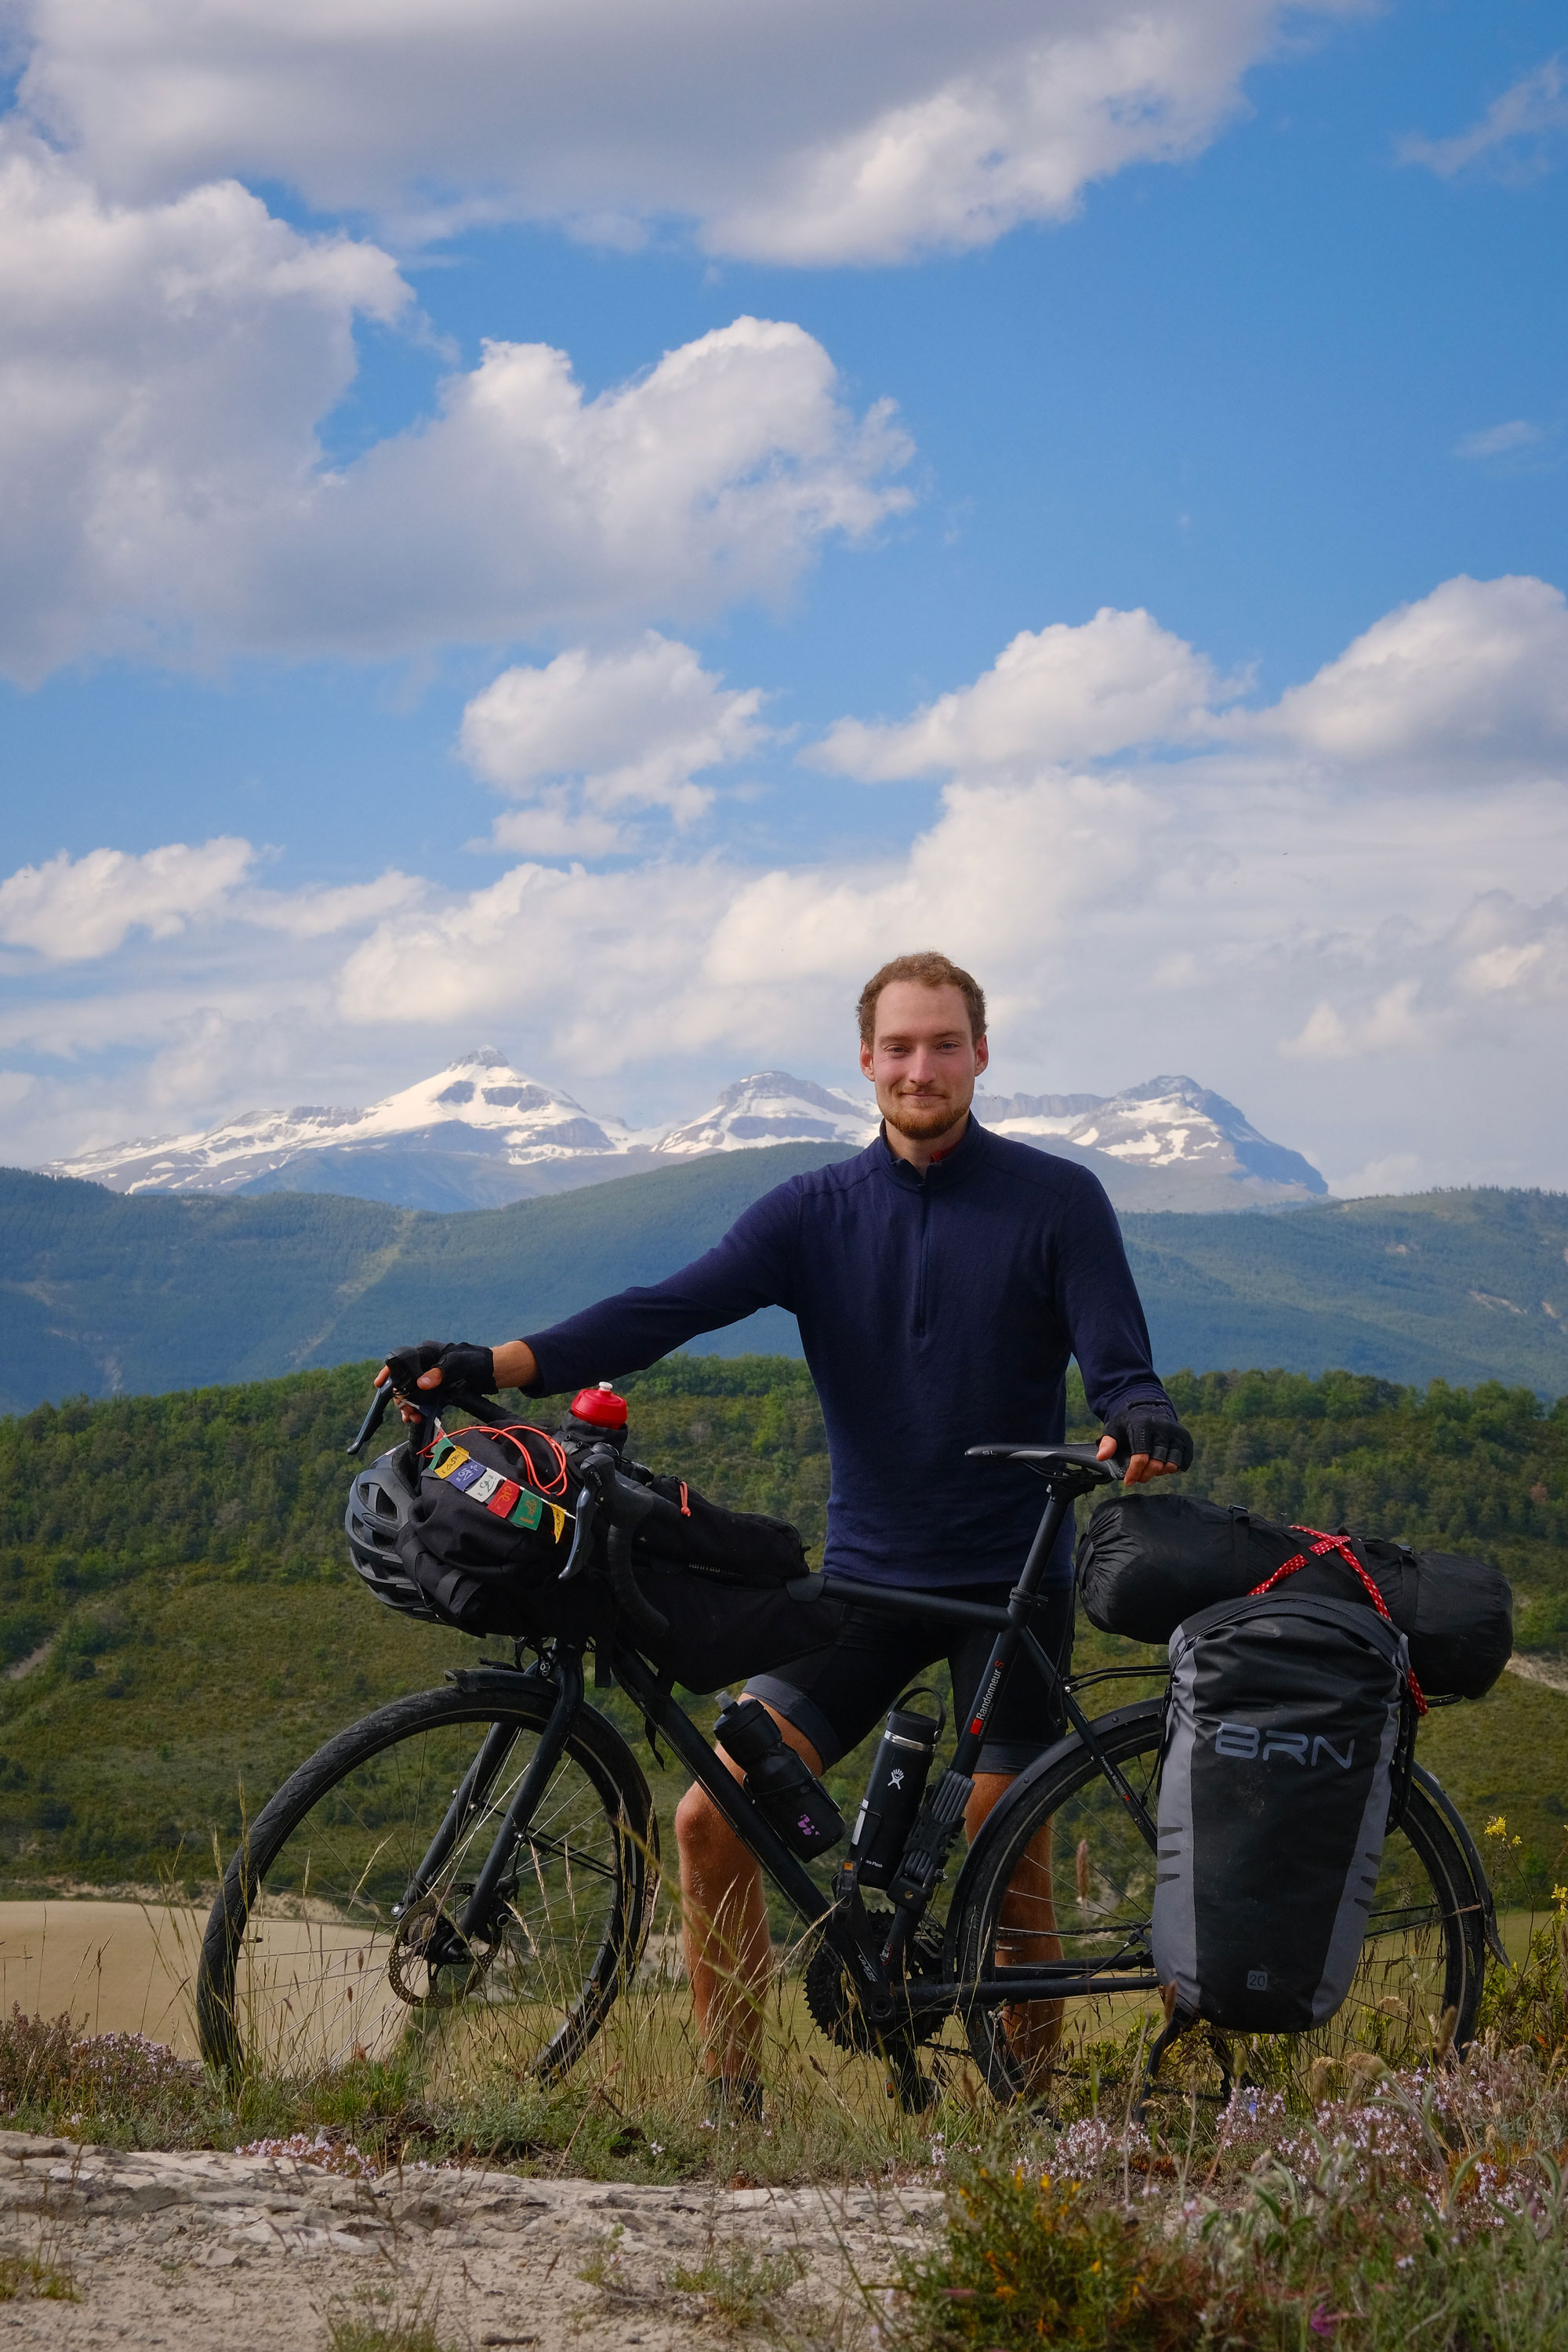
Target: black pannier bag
<point>481,1542</point>
<point>1148,1562</point>
<point>1282,1727</point>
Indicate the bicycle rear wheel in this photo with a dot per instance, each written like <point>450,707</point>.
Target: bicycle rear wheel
<point>1418,1978</point>
<point>309,1959</point>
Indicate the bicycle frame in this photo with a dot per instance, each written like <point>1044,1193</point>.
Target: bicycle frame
<point>885,1991</point>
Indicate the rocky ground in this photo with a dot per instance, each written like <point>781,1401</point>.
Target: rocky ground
<point>263,2251</point>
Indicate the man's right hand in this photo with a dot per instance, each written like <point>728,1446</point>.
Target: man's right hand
<point>437,1364</point>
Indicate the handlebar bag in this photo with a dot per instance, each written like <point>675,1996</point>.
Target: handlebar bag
<point>1282,1729</point>
<point>1148,1562</point>
<point>738,1547</point>
<point>489,1530</point>
<point>492,1516</point>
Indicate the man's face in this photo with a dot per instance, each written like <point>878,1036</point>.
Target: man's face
<point>922,1060</point>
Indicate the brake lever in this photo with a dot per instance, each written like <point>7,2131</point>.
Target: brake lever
<point>590,1501</point>
<point>374,1418</point>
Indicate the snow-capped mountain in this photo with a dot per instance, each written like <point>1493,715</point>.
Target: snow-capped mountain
<point>1171,1124</point>
<point>478,1108</point>
<point>478,1134</point>
<point>773,1107</point>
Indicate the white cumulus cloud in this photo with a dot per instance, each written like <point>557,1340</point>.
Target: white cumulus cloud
<point>1475,674</point>
<point>808,133</point>
<point>70,909</point>
<point>166,370</point>
<point>1055,695</point>
<point>1502,959</point>
<point>551,827</point>
<point>632,726</point>
<point>162,371</point>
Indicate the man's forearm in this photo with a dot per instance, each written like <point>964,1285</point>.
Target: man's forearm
<point>515,1365</point>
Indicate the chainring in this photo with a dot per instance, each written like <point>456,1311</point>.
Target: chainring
<point>835,2004</point>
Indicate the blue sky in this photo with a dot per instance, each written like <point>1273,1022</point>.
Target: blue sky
<point>1257,330</point>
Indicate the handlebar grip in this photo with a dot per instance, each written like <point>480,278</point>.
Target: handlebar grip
<point>638,1612</point>
<point>637,1505</point>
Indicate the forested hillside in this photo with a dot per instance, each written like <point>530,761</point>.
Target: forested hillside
<point>174,1588</point>
<point>105,1294</point>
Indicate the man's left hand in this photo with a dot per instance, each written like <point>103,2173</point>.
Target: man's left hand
<point>1155,1446</point>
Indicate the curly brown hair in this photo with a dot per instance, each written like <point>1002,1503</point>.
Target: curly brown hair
<point>928,968</point>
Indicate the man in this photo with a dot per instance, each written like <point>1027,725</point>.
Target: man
<point>941,1279</point>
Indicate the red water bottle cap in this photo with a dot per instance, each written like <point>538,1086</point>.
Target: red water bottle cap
<point>601,1406</point>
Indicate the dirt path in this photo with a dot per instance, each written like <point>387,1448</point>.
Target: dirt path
<point>261,2254</point>
<point>1532,1670</point>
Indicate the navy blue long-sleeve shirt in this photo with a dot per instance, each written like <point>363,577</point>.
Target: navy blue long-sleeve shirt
<point>936,1311</point>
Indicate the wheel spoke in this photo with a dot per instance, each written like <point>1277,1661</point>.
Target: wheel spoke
<point>1072,1881</point>
<point>316,1967</point>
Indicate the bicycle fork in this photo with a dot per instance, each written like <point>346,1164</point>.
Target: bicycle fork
<point>473,1793</point>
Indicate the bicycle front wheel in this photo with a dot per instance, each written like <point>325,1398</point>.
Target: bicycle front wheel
<point>1076,1880</point>
<point>314,1957</point>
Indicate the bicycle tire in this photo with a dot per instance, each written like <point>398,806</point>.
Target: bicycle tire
<point>1420,1975</point>
<point>304,1966</point>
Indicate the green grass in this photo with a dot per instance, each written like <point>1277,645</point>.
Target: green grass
<point>29,2275</point>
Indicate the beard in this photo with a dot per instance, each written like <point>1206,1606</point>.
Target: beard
<point>922,1117</point>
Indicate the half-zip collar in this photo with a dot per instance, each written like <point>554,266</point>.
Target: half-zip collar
<point>951,1168</point>
<point>928,1186</point>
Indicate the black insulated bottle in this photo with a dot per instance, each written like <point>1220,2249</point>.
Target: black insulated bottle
<point>894,1791</point>
<point>778,1781</point>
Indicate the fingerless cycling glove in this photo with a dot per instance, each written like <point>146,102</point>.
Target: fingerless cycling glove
<point>460,1363</point>
<point>1151,1429</point>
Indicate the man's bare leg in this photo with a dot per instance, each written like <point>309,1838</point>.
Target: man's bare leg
<point>1033,2027</point>
<point>724,1922</point>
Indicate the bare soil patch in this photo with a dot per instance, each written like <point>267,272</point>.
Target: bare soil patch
<point>271,2253</point>
<point>122,1967</point>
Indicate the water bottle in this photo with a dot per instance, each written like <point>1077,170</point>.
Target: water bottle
<point>598,1417</point>
<point>894,1791</point>
<point>781,1783</point>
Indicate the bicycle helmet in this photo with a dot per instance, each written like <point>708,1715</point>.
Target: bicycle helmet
<point>380,1504</point>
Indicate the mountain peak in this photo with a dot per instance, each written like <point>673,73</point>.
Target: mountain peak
<point>774,1107</point>
<point>1168,1123</point>
<point>483,1058</point>
<point>479,1133</point>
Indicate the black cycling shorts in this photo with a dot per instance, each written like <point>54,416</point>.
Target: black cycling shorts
<point>837,1694</point>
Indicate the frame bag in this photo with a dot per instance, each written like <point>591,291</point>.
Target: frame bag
<point>1282,1743</point>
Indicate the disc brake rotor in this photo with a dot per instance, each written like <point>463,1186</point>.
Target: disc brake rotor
<point>430,1965</point>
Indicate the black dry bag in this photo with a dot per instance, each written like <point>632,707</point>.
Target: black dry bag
<point>1282,1725</point>
<point>1148,1562</point>
<point>480,1536</point>
<point>492,1521</point>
